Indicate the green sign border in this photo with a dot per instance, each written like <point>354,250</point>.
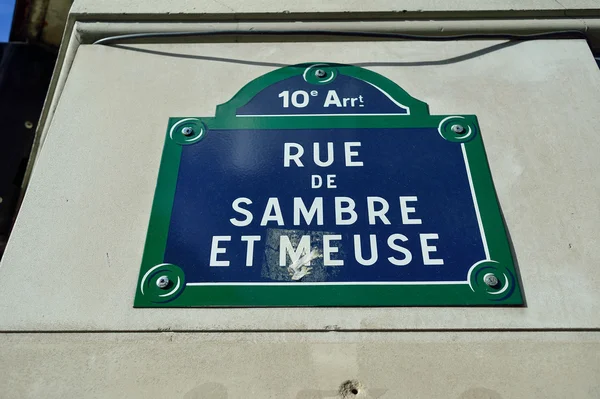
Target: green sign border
<point>472,291</point>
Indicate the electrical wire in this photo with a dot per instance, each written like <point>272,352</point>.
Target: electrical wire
<point>561,34</point>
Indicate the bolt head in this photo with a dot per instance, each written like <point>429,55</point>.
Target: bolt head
<point>187,131</point>
<point>319,73</point>
<point>458,129</point>
<point>491,280</point>
<point>162,282</point>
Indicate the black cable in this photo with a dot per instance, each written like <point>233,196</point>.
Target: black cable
<point>562,34</point>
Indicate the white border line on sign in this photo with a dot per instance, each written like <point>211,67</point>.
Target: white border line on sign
<point>344,283</point>
<point>287,115</point>
<point>481,231</point>
<point>390,97</point>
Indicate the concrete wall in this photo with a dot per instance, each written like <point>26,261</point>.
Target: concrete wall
<point>444,365</point>
<point>229,9</point>
<point>71,267</point>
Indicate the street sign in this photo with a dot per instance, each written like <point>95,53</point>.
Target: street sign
<point>325,185</point>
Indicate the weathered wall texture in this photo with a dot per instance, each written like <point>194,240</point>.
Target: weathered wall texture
<point>87,208</point>
<point>73,259</point>
<point>450,365</point>
<point>229,8</point>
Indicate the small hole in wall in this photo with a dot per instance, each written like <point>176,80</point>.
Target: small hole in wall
<point>350,389</point>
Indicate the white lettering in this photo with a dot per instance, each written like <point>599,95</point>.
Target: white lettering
<point>340,210</point>
<point>286,98</point>
<point>405,210</point>
<point>215,250</point>
<point>349,154</point>
<point>426,249</point>
<point>250,240</point>
<point>358,250</point>
<point>332,99</point>
<point>331,181</point>
<point>317,155</point>
<point>286,248</point>
<point>302,103</point>
<point>288,156</point>
<point>236,207</point>
<point>315,208</point>
<point>272,206</point>
<point>328,250</point>
<point>316,181</point>
<point>407,255</point>
<point>377,213</point>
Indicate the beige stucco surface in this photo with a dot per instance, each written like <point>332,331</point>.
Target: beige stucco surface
<point>450,365</point>
<point>228,8</point>
<point>74,255</point>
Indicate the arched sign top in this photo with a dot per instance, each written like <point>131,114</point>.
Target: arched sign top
<point>322,89</point>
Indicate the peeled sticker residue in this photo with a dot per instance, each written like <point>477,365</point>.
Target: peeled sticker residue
<point>296,255</point>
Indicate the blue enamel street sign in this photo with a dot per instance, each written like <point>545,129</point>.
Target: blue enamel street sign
<point>325,185</point>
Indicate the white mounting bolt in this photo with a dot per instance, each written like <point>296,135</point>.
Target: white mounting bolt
<point>187,131</point>
<point>162,282</point>
<point>458,129</point>
<point>491,280</point>
<point>319,73</point>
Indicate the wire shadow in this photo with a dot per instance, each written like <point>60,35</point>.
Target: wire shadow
<point>447,61</point>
